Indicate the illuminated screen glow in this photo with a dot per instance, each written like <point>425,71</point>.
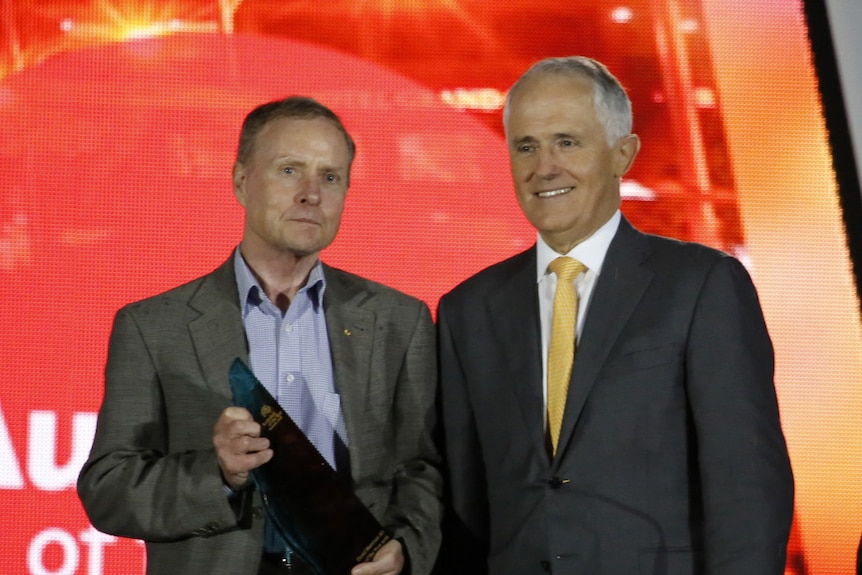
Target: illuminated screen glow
<point>119,133</point>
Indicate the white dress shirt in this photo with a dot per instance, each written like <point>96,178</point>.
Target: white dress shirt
<point>591,252</point>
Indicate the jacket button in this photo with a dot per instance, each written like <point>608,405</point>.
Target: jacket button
<point>555,482</point>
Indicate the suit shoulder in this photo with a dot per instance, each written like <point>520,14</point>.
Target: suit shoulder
<point>176,296</point>
<point>484,281</point>
<point>354,282</point>
<point>684,252</point>
<point>178,293</point>
<point>684,261</point>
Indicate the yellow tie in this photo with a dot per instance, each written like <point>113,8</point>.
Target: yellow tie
<point>561,352</point>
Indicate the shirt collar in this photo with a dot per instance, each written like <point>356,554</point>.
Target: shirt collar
<point>591,252</point>
<point>251,293</point>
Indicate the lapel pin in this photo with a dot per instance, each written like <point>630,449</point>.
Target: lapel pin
<point>347,332</point>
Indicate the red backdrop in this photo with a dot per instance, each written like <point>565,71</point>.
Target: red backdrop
<point>119,129</point>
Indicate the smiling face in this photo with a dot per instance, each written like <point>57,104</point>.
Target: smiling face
<point>292,187</point>
<point>566,175</point>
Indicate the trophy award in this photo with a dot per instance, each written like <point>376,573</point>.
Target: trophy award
<point>313,508</point>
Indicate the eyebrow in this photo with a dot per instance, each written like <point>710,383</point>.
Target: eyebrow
<point>288,160</point>
<point>555,136</point>
<point>524,140</point>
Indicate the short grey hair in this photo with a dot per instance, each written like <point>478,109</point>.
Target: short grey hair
<point>613,107</point>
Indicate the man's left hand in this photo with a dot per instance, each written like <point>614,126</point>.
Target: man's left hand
<point>389,560</point>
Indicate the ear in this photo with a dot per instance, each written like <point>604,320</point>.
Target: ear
<point>239,183</point>
<point>626,149</point>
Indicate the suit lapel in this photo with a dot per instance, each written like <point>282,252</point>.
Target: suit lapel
<point>217,333</point>
<point>513,313</point>
<point>351,334</point>
<point>619,289</point>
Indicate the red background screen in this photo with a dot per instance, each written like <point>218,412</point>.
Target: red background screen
<point>119,128</point>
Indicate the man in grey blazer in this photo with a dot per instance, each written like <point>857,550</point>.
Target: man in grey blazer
<point>670,458</point>
<point>171,458</point>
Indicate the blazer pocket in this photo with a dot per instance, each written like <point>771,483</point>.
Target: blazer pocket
<point>667,561</point>
<point>632,359</point>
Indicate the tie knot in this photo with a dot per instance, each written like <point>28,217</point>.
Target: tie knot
<point>566,268</point>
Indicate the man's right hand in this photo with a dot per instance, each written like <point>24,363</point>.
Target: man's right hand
<point>239,446</point>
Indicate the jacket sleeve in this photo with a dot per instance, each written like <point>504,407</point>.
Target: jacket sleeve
<point>745,474</point>
<point>152,473</point>
<point>465,526</point>
<point>413,515</point>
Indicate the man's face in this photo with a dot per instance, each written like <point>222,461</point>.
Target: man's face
<point>293,186</point>
<point>566,175</point>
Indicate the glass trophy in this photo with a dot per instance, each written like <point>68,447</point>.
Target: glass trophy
<point>311,506</point>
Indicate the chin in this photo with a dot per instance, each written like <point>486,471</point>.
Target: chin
<point>553,225</point>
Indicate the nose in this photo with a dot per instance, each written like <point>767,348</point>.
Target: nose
<point>547,166</point>
<point>309,192</point>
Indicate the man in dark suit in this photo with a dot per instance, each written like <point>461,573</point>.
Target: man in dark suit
<point>667,455</point>
<point>351,360</point>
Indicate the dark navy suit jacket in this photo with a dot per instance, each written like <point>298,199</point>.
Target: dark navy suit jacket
<point>671,459</point>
